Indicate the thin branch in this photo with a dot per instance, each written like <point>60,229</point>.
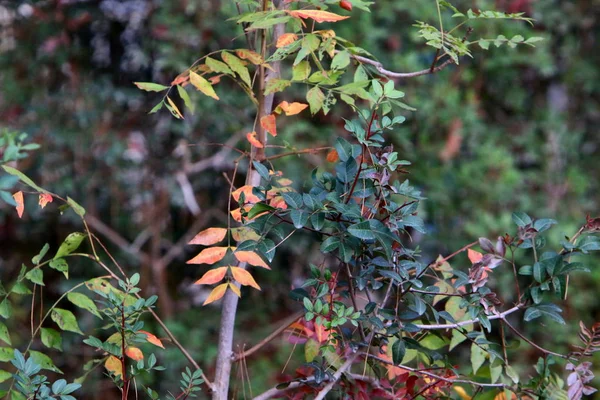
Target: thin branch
<point>336,377</point>
<point>501,315</point>
<point>391,74</point>
<point>188,193</point>
<point>298,152</point>
<point>519,334</point>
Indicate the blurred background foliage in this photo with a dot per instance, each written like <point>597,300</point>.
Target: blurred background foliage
<point>509,129</point>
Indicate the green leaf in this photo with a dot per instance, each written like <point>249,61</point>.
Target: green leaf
<point>60,264</point>
<point>341,60</point>
<point>157,107</point>
<point>20,288</point>
<point>292,199</point>
<point>70,244</point>
<point>259,208</point>
<point>317,220</point>
<point>478,355</point>
<point>315,98</point>
<point>5,309</point>
<point>203,85</point>
<point>549,310</point>
<point>238,66</point>
<point>186,98</point>
<point>4,376</point>
<point>24,178</point>
<point>521,219</point>
<point>218,67</point>
<point>330,244</point>
<point>6,354</point>
<point>267,23</point>
<point>362,231</point>
<point>301,71</point>
<point>276,85</point>
<point>36,276</point>
<point>7,197</point>
<point>150,87</point>
<point>44,361</point>
<point>76,207</point>
<point>36,260</point>
<point>4,334</point>
<point>65,320</point>
<point>398,351</point>
<point>81,300</point>
<point>299,218</point>
<point>51,338</point>
<point>311,350</point>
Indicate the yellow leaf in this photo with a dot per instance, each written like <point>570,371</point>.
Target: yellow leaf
<point>243,233</point>
<point>216,293</point>
<point>251,258</point>
<point>291,109</point>
<point>209,256</point>
<point>286,39</point>
<point>212,276</point>
<point>268,124</point>
<point>461,393</point>
<point>317,15</point>
<point>235,289</point>
<point>134,353</point>
<point>251,136</point>
<point>209,236</point>
<point>113,365</point>
<point>20,203</point>
<point>244,277</point>
<point>152,339</point>
<point>203,85</point>
<point>44,199</point>
<point>250,55</point>
<point>174,107</point>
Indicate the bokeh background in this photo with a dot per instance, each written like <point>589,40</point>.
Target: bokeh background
<point>509,129</point>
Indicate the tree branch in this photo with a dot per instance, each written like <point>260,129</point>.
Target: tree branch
<point>391,74</point>
<point>501,315</point>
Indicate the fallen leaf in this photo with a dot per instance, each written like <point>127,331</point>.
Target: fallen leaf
<point>20,203</point>
<point>251,258</point>
<point>317,15</point>
<point>212,276</point>
<point>244,277</point>
<point>216,293</point>
<point>268,124</point>
<point>209,236</point>
<point>209,256</point>
<point>251,136</point>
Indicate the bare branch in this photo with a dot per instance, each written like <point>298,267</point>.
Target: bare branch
<point>390,74</point>
<point>336,377</point>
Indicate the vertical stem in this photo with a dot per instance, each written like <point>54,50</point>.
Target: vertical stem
<point>225,354</point>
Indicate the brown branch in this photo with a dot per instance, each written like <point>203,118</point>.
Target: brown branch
<point>298,152</point>
<point>519,334</point>
<point>390,74</point>
<point>336,377</point>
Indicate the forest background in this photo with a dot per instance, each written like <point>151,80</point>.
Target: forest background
<point>504,131</point>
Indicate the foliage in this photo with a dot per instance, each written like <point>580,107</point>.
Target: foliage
<point>372,300</point>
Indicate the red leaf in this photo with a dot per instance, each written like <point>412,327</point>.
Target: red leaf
<point>268,124</point>
<point>152,339</point>
<point>251,136</point>
<point>20,203</point>
<point>45,198</point>
<point>474,256</point>
<point>333,156</point>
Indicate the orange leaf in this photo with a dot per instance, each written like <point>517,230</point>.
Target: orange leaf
<point>113,364</point>
<point>244,277</point>
<point>212,276</point>
<point>251,258</point>
<point>236,214</point>
<point>20,203</point>
<point>209,236</point>
<point>278,202</point>
<point>134,353</point>
<point>235,289</point>
<point>292,109</point>
<point>249,197</point>
<point>250,55</point>
<point>474,256</point>
<point>251,136</point>
<point>317,15</point>
<point>152,339</point>
<point>45,198</point>
<point>286,39</point>
<point>268,124</point>
<point>333,156</point>
<point>215,79</point>
<point>216,293</point>
<point>209,256</point>
<point>322,333</point>
<point>181,79</point>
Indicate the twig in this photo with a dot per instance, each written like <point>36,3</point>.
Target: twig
<point>501,315</point>
<point>298,152</point>
<point>390,74</point>
<point>188,193</point>
<point>519,334</point>
<point>336,377</point>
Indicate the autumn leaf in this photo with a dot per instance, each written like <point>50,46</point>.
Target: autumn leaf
<point>236,214</point>
<point>251,258</point>
<point>244,277</point>
<point>212,276</point>
<point>249,197</point>
<point>209,256</point>
<point>235,289</point>
<point>45,198</point>
<point>150,87</point>
<point>333,156</point>
<point>113,365</point>
<point>203,85</point>
<point>278,202</point>
<point>285,181</point>
<point>181,79</point>
<point>216,293</point>
<point>286,39</point>
<point>474,256</point>
<point>174,108</point>
<point>20,203</point>
<point>268,124</point>
<point>251,136</point>
<point>209,236</point>
<point>291,109</point>
<point>250,55</point>
<point>244,233</point>
<point>134,353</point>
<point>152,339</point>
<point>317,15</point>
